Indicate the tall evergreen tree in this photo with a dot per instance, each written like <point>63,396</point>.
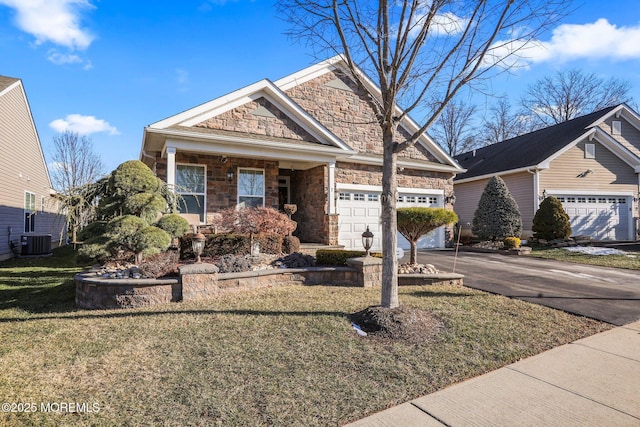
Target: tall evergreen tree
<point>497,215</point>
<point>551,221</point>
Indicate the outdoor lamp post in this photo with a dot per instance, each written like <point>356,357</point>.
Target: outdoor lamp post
<point>197,243</point>
<point>367,241</point>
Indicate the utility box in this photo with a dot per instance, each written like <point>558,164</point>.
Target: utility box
<point>35,244</point>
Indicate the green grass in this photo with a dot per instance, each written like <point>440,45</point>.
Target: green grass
<point>630,261</point>
<point>279,356</point>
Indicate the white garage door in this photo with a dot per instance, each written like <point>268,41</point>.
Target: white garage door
<point>602,217</point>
<point>359,209</point>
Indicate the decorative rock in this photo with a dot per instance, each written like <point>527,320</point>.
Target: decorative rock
<point>417,269</point>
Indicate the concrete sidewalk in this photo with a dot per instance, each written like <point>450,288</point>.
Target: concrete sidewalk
<point>591,382</point>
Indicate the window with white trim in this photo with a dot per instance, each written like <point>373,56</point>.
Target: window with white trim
<point>616,127</point>
<point>372,197</point>
<point>345,196</point>
<point>42,202</point>
<point>358,197</point>
<point>250,187</point>
<point>29,212</point>
<point>191,185</point>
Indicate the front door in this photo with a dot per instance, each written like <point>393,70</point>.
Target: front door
<point>284,192</point>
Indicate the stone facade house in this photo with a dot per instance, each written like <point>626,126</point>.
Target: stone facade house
<point>309,139</point>
<point>591,164</point>
<point>26,206</point>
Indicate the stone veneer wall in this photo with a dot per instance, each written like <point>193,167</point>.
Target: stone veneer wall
<point>96,293</point>
<point>308,192</point>
<point>221,194</point>
<point>348,115</point>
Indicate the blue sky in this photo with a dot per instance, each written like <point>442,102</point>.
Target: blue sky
<point>107,68</point>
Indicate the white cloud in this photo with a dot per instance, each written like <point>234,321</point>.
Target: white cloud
<point>569,42</point>
<point>68,58</point>
<point>441,24</point>
<point>55,21</point>
<point>83,125</point>
<point>598,40</point>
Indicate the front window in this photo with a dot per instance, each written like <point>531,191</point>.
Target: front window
<point>250,187</point>
<point>191,185</point>
<point>29,212</point>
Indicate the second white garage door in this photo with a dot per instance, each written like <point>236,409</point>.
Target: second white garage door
<point>359,209</point>
<point>600,216</point>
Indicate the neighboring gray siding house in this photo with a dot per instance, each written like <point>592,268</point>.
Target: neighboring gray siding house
<point>26,205</point>
<point>309,139</point>
<point>591,164</point>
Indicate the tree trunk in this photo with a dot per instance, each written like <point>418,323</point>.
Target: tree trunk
<point>389,224</point>
<point>414,252</point>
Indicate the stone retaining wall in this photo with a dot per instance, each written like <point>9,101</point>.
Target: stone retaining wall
<point>199,282</point>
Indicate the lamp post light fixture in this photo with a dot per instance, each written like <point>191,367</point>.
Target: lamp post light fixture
<point>230,174</point>
<point>197,243</point>
<point>367,241</point>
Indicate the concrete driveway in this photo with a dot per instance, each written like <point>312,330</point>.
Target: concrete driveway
<point>608,294</point>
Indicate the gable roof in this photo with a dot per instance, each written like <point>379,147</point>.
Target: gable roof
<point>274,92</point>
<point>339,62</point>
<point>8,84</point>
<point>5,82</point>
<point>529,150</point>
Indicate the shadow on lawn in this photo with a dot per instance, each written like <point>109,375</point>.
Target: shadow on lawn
<point>129,313</point>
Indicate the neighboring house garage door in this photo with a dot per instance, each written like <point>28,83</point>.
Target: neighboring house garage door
<point>359,209</point>
<point>600,216</point>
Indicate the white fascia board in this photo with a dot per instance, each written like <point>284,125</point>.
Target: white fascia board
<point>236,98</point>
<point>338,62</point>
<point>588,134</point>
<point>616,148</point>
<point>623,111</point>
<point>307,74</point>
<point>10,87</point>
<point>263,88</point>
<point>32,124</point>
<point>501,173</point>
<point>248,147</point>
<point>406,164</point>
<point>378,188</point>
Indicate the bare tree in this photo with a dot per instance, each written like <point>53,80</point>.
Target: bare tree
<point>420,54</point>
<point>454,128</point>
<point>501,124</point>
<point>75,167</point>
<point>569,94</point>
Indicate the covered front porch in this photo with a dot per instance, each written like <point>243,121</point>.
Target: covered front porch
<point>211,178</point>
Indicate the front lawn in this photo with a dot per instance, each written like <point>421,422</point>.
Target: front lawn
<point>278,356</point>
<point>630,261</point>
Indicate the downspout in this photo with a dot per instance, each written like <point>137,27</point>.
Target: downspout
<point>536,188</point>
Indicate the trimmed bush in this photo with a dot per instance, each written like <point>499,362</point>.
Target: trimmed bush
<point>290,244</point>
<point>234,264</point>
<point>298,260</point>
<point>95,229</point>
<point>497,216</point>
<point>512,242</point>
<point>231,244</point>
<point>150,241</point>
<point>123,229</point>
<point>414,223</point>
<point>174,225</point>
<point>336,257</point>
<point>551,221</point>
<point>160,265</point>
<point>145,205</point>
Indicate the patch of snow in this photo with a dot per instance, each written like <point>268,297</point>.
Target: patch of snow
<point>594,250</point>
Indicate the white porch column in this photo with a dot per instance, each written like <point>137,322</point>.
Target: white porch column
<point>331,193</point>
<point>171,168</point>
